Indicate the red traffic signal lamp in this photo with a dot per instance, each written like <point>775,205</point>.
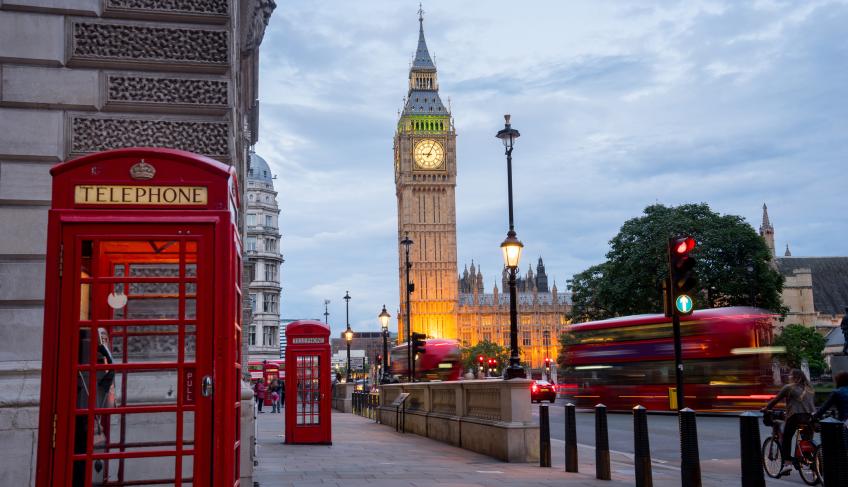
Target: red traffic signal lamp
<point>682,278</point>
<point>481,359</point>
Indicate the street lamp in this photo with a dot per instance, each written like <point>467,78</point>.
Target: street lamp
<point>384,324</point>
<point>348,334</point>
<point>511,248</point>
<point>406,242</point>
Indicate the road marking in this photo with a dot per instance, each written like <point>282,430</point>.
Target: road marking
<point>629,456</point>
<point>489,471</point>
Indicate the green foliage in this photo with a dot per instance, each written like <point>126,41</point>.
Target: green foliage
<point>733,265</point>
<point>801,343</point>
<point>486,349</point>
<point>565,341</point>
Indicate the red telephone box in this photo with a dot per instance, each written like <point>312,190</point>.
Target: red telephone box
<point>308,394</point>
<point>271,373</point>
<point>141,360</point>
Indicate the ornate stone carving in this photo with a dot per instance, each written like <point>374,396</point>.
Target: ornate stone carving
<point>181,91</point>
<point>90,134</point>
<point>136,43</point>
<point>262,10</point>
<point>218,7</point>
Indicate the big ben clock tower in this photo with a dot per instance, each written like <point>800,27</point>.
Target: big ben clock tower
<point>425,185</point>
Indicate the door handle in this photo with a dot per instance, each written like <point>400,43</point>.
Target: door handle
<point>206,387</point>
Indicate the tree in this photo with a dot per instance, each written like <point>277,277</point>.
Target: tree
<point>801,343</point>
<point>733,265</point>
<point>486,349</point>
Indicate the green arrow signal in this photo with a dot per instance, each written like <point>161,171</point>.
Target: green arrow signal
<point>684,304</point>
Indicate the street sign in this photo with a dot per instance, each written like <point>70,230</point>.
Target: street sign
<point>684,303</point>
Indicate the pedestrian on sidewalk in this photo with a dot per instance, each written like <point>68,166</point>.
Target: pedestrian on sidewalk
<point>275,397</point>
<point>282,392</point>
<point>259,393</point>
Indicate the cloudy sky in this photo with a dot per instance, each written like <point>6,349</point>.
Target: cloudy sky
<point>619,104</point>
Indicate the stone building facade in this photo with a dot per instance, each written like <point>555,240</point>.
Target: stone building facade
<point>263,261</point>
<point>81,76</point>
<point>815,288</point>
<point>542,314</point>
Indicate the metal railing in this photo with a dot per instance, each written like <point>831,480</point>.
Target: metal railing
<point>365,404</point>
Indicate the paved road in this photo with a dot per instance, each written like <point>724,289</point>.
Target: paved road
<point>718,437</point>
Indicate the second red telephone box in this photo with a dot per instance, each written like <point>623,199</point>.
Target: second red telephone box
<point>308,394</point>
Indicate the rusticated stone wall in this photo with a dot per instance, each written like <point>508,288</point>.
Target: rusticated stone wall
<point>80,76</point>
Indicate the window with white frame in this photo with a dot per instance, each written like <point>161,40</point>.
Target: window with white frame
<point>270,303</point>
<point>270,271</point>
<point>269,336</point>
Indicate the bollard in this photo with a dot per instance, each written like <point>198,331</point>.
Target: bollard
<point>570,438</point>
<point>749,444</point>
<point>835,462</point>
<point>602,454</point>
<point>690,463</point>
<point>544,437</point>
<point>641,448</point>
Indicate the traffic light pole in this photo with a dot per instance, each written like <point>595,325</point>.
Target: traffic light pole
<point>678,361</point>
<point>410,363</point>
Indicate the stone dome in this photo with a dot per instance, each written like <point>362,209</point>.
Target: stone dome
<point>259,170</point>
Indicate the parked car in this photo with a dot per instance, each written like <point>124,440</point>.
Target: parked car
<point>542,390</point>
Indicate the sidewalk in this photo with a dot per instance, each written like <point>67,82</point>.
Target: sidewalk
<point>364,453</point>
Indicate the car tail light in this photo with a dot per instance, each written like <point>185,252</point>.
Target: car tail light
<point>534,388</point>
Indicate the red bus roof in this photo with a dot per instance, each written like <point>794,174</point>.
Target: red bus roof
<point>701,314</point>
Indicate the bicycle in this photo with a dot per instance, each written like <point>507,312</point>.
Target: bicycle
<point>808,453</point>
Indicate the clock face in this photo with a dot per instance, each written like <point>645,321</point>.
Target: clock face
<point>429,154</point>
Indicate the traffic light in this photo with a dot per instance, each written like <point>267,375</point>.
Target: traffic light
<point>548,364</point>
<point>418,343</point>
<point>379,360</point>
<point>681,274</point>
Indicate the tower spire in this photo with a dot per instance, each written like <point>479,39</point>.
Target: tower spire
<point>767,231</point>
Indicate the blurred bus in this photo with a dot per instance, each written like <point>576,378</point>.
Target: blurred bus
<point>622,362</point>
<point>440,361</point>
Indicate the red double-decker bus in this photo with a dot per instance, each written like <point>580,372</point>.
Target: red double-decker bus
<point>440,360</point>
<point>623,362</point>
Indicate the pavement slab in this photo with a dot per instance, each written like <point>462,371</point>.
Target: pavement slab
<point>365,453</point>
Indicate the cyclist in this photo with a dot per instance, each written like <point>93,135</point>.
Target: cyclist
<point>800,405</point>
<point>838,399</point>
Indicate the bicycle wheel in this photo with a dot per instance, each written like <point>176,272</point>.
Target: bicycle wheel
<point>808,467</point>
<point>772,458</point>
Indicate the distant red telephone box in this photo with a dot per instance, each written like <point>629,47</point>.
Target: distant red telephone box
<point>142,334</point>
<point>308,394</point>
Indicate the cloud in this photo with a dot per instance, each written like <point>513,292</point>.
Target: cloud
<point>619,107</point>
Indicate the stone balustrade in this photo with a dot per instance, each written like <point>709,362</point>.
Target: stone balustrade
<point>492,417</point>
<point>343,396</point>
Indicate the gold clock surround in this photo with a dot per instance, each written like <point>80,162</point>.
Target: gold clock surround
<point>429,154</point>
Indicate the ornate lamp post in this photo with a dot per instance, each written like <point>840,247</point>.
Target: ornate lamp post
<point>406,242</point>
<point>348,334</point>
<point>511,248</point>
<point>384,324</point>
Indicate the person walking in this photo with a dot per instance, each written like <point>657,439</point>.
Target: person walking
<point>800,406</point>
<point>282,396</point>
<point>259,392</point>
<point>275,397</point>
